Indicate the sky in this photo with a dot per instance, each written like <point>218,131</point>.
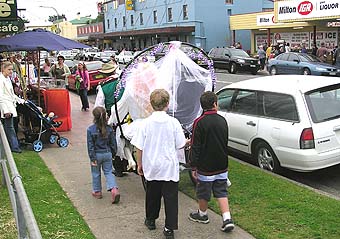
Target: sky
<point>39,15</point>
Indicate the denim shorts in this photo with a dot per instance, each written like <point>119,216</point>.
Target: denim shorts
<point>218,187</point>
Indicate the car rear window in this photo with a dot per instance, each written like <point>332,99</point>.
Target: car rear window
<point>324,103</point>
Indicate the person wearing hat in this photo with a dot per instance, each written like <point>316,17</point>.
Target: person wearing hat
<point>106,89</point>
<point>105,98</point>
<point>60,71</point>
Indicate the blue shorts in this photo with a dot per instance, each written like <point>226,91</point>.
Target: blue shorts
<point>218,187</point>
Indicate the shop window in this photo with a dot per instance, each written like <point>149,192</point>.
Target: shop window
<point>170,14</point>
<point>124,21</point>
<point>154,16</point>
<point>141,19</point>
<point>116,23</point>
<point>132,20</point>
<point>185,12</point>
<point>229,1</point>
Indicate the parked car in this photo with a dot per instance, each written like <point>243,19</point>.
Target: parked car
<point>146,54</point>
<point>280,121</point>
<point>67,54</point>
<point>234,60</point>
<point>89,53</point>
<point>104,57</point>
<point>301,63</point>
<point>95,75</point>
<point>124,57</point>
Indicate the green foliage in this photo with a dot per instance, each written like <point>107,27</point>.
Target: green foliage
<point>271,208</point>
<point>54,212</point>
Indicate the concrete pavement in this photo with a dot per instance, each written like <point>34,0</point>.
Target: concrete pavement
<point>71,168</point>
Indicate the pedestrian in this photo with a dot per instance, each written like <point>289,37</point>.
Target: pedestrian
<point>287,47</point>
<point>269,52</point>
<point>105,89</point>
<point>262,56</point>
<point>209,161</point>
<point>60,72</point>
<point>322,52</point>
<point>102,147</point>
<point>304,49</point>
<point>314,49</point>
<point>157,141</point>
<point>238,45</point>
<point>8,101</point>
<point>337,57</point>
<point>46,67</point>
<point>83,85</point>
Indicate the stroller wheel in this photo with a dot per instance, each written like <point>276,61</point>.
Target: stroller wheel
<point>62,142</point>
<point>53,139</point>
<point>37,145</point>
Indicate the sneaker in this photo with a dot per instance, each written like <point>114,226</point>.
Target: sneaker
<point>97,195</point>
<point>169,234</point>
<point>196,217</point>
<point>115,195</point>
<point>227,225</point>
<point>150,224</point>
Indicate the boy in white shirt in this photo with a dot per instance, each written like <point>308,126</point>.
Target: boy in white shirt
<point>157,140</point>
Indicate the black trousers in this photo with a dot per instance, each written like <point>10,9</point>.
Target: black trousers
<point>155,190</point>
<point>83,98</point>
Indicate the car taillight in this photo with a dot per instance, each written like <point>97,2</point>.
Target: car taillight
<point>307,139</point>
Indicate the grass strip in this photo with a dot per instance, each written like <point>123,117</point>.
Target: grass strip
<point>271,208</point>
<point>53,210</point>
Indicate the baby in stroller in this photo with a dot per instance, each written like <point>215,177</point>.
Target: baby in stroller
<point>41,128</point>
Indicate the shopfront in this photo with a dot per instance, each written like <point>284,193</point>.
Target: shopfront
<point>295,22</point>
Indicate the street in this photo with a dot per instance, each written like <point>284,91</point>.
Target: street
<point>326,180</point>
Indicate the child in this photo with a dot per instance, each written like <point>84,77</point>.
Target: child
<point>157,141</point>
<point>209,161</point>
<point>102,147</point>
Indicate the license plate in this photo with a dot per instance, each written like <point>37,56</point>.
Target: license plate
<point>252,66</point>
<point>332,73</point>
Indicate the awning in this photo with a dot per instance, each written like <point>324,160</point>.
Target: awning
<point>149,31</point>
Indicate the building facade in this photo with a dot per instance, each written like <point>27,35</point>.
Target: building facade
<point>235,7</point>
<point>142,23</point>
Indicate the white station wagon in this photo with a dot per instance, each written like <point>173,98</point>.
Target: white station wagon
<point>284,121</point>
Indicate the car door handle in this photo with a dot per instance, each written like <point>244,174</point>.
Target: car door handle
<point>251,123</point>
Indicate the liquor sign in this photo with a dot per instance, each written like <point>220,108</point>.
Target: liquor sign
<point>296,10</point>
<point>8,10</point>
<point>129,4</point>
<point>265,20</point>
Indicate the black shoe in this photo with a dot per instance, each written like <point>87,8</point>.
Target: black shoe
<point>169,234</point>
<point>118,174</point>
<point>150,224</point>
<point>196,217</point>
<point>228,225</point>
<point>19,151</point>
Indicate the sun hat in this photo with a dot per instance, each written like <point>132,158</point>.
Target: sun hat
<point>108,68</point>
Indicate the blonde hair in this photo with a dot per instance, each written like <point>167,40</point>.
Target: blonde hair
<point>159,99</point>
<point>5,65</point>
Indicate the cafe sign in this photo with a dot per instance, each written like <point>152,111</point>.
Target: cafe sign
<point>8,9</point>
<point>297,10</point>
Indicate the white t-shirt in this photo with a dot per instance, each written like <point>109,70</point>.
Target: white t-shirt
<point>159,137</point>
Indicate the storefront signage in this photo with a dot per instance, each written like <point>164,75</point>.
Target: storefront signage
<point>265,20</point>
<point>296,10</point>
<point>333,24</point>
<point>11,26</point>
<point>8,9</point>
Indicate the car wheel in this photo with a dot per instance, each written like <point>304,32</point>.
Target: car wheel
<point>273,70</point>
<point>266,158</point>
<point>306,71</point>
<point>254,72</point>
<point>233,68</point>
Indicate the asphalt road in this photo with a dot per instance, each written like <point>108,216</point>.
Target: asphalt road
<point>326,180</point>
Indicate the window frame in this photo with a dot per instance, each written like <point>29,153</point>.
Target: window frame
<point>185,12</point>
<point>170,16</point>
<point>155,19</point>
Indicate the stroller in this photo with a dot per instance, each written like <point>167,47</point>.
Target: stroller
<point>184,70</point>
<point>40,128</point>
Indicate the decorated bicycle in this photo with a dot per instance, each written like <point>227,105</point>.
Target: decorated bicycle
<point>182,69</point>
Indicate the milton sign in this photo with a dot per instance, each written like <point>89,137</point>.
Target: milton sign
<point>9,21</point>
<point>296,10</point>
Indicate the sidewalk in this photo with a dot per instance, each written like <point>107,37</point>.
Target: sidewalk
<point>71,168</point>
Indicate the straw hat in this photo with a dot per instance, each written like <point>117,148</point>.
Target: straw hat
<point>108,68</point>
